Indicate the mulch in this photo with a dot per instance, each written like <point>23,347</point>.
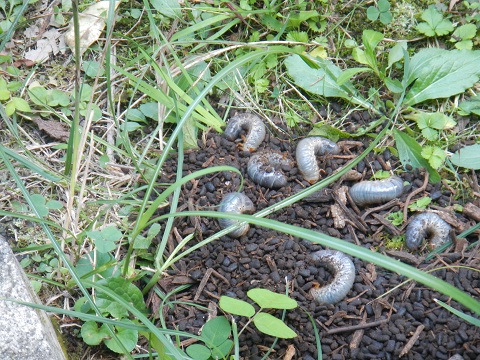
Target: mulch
<point>380,318</point>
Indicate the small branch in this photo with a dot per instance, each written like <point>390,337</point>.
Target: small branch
<point>412,340</point>
<point>357,327</point>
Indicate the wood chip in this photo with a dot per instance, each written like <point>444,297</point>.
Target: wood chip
<point>472,211</point>
<point>290,353</point>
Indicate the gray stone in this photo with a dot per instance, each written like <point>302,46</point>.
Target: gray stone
<point>25,333</point>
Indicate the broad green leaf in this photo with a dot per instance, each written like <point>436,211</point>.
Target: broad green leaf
<point>221,351</point>
<point>128,337</point>
<point>372,13</point>
<point>198,352</point>
<point>321,80</point>
<point>190,134</point>
<point>435,120</point>
<point>430,134</point>
<point>271,23</point>
<point>272,326</point>
<point>420,204</point>
<point>126,290</point>
<point>4,94</point>
<point>384,5</point>
<point>467,157</point>
<point>9,108</point>
<point>386,17</point>
<point>349,73</point>
<point>54,205</point>
<point>470,106</point>
<point>38,95</point>
<point>299,36</point>
<point>106,239</point>
<point>434,155</point>
<point>150,110</point>
<point>169,8</point>
<point>92,335</point>
<point>40,202</point>
<point>410,153</point>
<point>464,45</point>
<point>93,68</point>
<point>130,126</point>
<point>216,331</point>
<point>57,98</point>
<point>271,300</point>
<point>464,32</point>
<point>135,115</point>
<point>236,307</point>
<point>370,39</point>
<point>396,53</point>
<point>359,56</point>
<point>20,104</point>
<point>441,73</point>
<point>434,23</point>
<point>297,18</point>
<point>103,264</point>
<point>394,85</point>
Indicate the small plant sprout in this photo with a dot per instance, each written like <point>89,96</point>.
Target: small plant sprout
<point>434,23</point>
<point>463,35</point>
<point>380,12</point>
<point>420,204</point>
<point>215,335</point>
<point>265,322</point>
<point>396,218</point>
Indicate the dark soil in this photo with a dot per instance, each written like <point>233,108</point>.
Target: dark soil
<point>405,320</point>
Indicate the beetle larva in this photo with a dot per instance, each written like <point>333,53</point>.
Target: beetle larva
<point>307,151</point>
<point>377,191</point>
<point>427,225</point>
<point>250,123</point>
<point>265,169</point>
<point>237,203</point>
<point>344,276</point>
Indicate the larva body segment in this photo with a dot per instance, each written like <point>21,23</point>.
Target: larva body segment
<point>306,153</point>
<point>344,276</point>
<point>427,225</point>
<point>377,191</point>
<point>265,169</point>
<point>252,124</point>
<point>237,203</point>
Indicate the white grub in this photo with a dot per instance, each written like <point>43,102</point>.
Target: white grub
<point>343,276</point>
<point>265,169</point>
<point>430,226</point>
<point>306,153</point>
<point>377,191</point>
<point>237,203</point>
<point>250,123</point>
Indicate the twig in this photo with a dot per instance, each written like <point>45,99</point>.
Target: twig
<point>357,327</point>
<point>412,194</point>
<point>412,340</point>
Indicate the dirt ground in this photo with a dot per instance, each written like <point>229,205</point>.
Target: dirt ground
<point>405,322</point>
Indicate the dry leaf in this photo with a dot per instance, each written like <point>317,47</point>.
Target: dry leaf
<point>51,43</point>
<point>92,23</point>
<point>23,62</point>
<point>53,128</point>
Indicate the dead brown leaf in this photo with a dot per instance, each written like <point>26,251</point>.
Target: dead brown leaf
<point>53,128</point>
